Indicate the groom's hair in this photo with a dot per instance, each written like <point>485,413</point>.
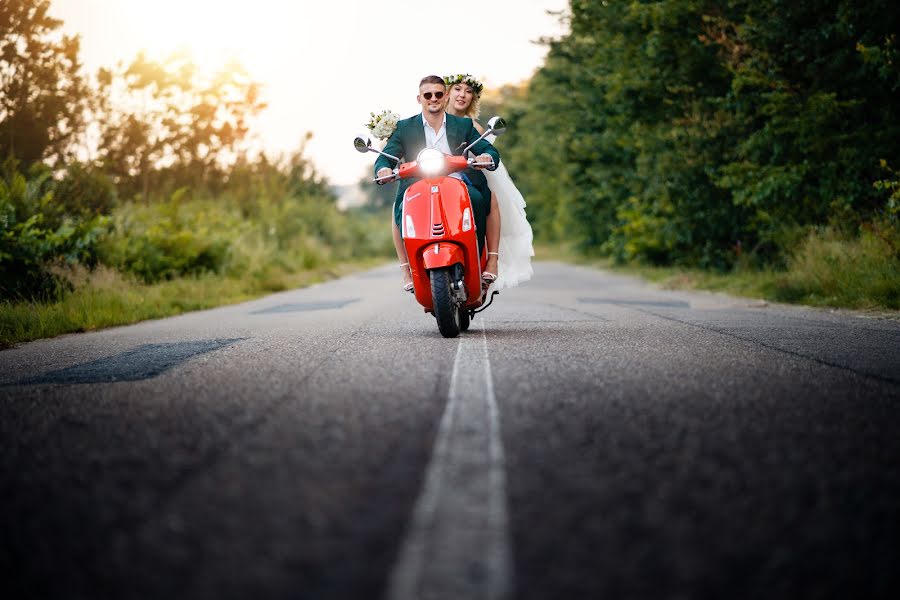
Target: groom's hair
<point>432,79</point>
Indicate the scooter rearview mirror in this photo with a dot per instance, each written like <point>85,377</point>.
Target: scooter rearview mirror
<point>362,144</point>
<point>497,125</point>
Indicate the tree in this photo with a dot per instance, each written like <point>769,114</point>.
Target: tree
<point>698,133</point>
<point>165,124</point>
<point>43,97</point>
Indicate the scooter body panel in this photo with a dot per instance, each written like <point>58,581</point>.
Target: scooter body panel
<point>437,216</point>
<point>440,255</point>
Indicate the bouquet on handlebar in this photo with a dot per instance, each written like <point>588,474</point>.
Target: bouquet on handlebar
<point>383,124</point>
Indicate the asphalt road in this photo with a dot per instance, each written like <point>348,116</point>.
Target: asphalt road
<point>589,437</point>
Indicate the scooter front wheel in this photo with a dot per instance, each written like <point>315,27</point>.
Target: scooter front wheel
<point>446,311</point>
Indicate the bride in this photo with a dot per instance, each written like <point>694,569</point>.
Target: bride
<point>510,245</point>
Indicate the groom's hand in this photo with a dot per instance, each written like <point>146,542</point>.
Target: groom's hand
<point>384,172</point>
<point>485,158</point>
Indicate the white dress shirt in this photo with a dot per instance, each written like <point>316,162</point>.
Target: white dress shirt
<point>438,140</point>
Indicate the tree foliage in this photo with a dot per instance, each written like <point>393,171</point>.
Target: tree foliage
<point>39,234</point>
<point>165,125</point>
<point>43,96</point>
<point>706,133</point>
<point>170,189</point>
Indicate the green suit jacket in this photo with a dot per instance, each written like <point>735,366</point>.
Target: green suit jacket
<point>409,139</point>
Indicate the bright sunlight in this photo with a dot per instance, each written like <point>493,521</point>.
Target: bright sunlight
<point>322,66</point>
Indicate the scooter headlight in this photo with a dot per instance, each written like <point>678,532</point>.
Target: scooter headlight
<point>431,161</point>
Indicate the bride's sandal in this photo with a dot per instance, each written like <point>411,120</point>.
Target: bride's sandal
<point>487,278</point>
<point>408,286</point>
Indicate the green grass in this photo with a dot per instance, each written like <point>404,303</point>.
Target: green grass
<point>105,298</point>
<point>826,270</point>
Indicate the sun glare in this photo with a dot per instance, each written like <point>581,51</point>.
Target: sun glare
<point>322,66</point>
<point>213,33</point>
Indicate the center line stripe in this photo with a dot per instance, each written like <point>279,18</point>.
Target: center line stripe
<point>458,542</point>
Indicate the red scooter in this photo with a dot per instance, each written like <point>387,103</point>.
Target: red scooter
<point>438,227</point>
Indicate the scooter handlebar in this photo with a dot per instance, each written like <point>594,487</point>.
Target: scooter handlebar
<point>411,167</point>
<point>386,178</point>
<point>486,165</point>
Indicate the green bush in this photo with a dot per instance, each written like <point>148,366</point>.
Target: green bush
<point>83,192</point>
<point>832,269</point>
<point>270,222</point>
<point>36,238</point>
<point>187,238</point>
<point>171,239</point>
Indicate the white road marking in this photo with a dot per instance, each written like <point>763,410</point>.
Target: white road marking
<point>457,546</point>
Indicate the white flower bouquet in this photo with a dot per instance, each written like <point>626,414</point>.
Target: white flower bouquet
<point>383,124</point>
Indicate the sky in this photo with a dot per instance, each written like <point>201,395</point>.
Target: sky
<point>324,66</point>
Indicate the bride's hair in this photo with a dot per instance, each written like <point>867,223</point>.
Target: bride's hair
<point>466,79</point>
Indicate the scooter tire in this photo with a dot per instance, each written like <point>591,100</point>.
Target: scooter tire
<point>446,311</point>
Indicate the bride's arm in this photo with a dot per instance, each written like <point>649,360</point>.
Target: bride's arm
<point>478,127</point>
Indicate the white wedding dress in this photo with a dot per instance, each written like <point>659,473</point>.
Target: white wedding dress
<point>516,250</point>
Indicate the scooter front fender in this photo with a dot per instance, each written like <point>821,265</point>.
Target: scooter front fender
<point>442,254</point>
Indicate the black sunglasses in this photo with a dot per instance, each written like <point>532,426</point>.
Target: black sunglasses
<point>438,95</point>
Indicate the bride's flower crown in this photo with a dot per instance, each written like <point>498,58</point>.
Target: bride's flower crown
<point>466,79</point>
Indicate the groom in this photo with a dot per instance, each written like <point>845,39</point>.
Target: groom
<point>434,128</point>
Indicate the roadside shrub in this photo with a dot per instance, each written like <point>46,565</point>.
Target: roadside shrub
<point>34,238</point>
<point>831,269</point>
<point>171,239</point>
<point>84,193</point>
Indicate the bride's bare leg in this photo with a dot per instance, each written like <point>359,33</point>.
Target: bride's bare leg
<point>401,253</point>
<point>492,236</point>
